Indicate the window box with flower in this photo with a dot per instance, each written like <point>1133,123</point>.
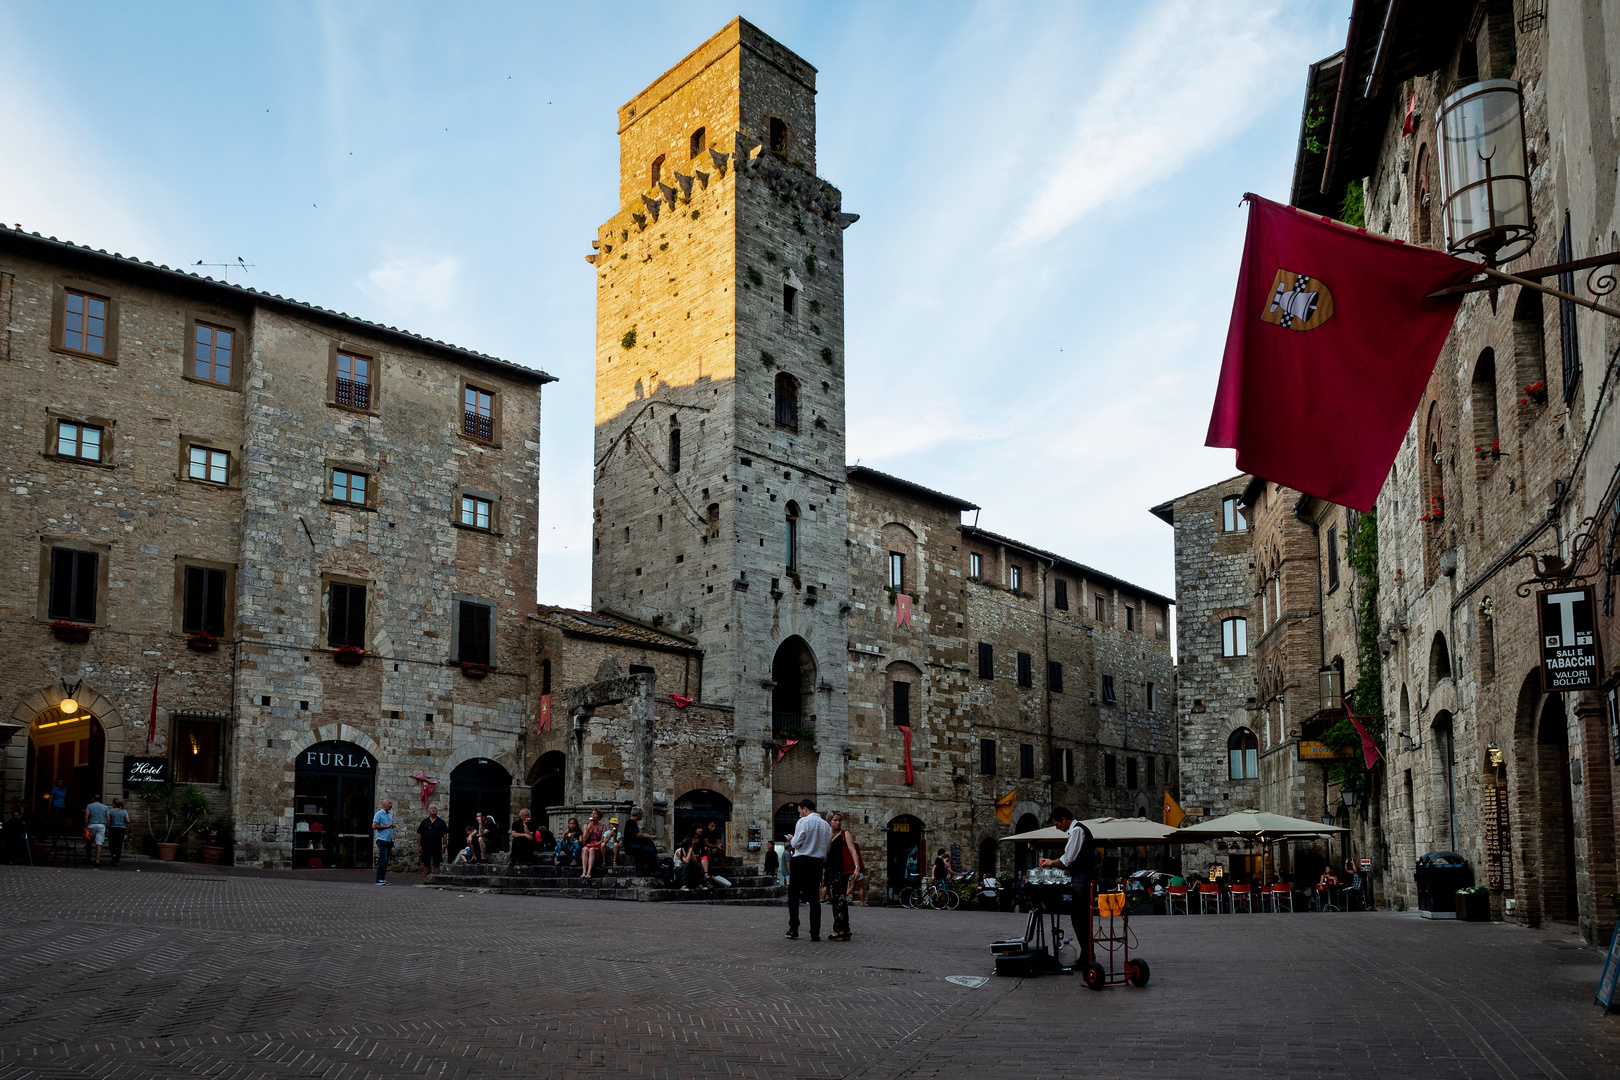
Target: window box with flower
<point>1534,393</point>
<point>202,642</point>
<point>1493,452</point>
<point>1437,510</point>
<point>349,655</point>
<point>70,631</point>
<point>474,670</point>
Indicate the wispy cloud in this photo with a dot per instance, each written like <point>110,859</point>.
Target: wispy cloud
<point>1190,77</point>
<point>413,282</point>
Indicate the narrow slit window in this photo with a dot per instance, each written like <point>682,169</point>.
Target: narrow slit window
<point>1060,598</point>
<point>1026,761</point>
<point>897,571</point>
<point>902,704</point>
<point>790,299</point>
<point>674,449</point>
<point>1026,675</point>
<point>987,757</point>
<point>987,660</point>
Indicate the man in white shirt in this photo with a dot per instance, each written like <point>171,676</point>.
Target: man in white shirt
<point>1079,859</point>
<point>809,844</point>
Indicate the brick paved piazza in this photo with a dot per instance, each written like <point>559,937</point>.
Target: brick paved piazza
<point>226,974</point>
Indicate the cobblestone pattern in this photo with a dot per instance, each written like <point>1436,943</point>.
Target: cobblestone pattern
<point>213,974</point>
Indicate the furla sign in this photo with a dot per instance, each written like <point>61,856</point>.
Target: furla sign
<point>1570,655</point>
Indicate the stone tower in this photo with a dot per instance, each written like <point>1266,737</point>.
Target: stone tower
<point>719,483</point>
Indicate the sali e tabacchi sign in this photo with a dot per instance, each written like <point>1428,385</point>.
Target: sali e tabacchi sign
<point>1571,658</point>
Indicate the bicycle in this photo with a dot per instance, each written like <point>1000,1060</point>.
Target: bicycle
<point>931,894</point>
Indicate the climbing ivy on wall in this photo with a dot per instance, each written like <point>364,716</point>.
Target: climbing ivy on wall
<point>1367,698</point>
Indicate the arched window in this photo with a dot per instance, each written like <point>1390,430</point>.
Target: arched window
<point>699,142</point>
<point>1243,755</point>
<point>792,552</point>
<point>1234,637</point>
<point>674,449</point>
<point>1439,660</point>
<point>1529,351</point>
<point>787,401</point>
<point>1482,402</point>
<point>1421,204</point>
<point>657,171</point>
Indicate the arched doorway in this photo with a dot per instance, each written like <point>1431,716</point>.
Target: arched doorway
<point>65,767</point>
<point>1445,783</point>
<point>480,785</point>
<point>549,782</point>
<point>793,695</point>
<point>987,857</point>
<point>1024,855</point>
<point>907,858</point>
<point>334,785</point>
<point>697,808</point>
<point>1557,812</point>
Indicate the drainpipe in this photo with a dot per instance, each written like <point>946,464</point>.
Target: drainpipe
<point>1046,657</point>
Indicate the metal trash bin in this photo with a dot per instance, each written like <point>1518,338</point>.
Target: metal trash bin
<point>1439,875</point>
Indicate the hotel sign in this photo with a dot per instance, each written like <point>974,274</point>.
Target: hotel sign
<point>1316,750</point>
<point>145,770</point>
<point>1570,655</point>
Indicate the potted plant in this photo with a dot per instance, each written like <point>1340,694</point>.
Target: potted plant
<point>213,844</point>
<point>70,631</point>
<point>349,655</point>
<point>203,642</point>
<point>1474,903</point>
<point>474,670</point>
<point>177,808</point>
<point>1493,452</point>
<point>1437,510</point>
<point>1534,393</point>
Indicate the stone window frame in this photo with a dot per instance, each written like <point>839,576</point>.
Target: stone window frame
<point>496,401</point>
<point>56,417</point>
<point>494,501</point>
<point>697,142</point>
<point>220,721</point>
<point>103,554</point>
<point>904,671</point>
<point>373,376</point>
<point>177,622</point>
<point>1060,594</point>
<point>89,286</point>
<point>218,320</point>
<point>988,752</point>
<point>233,468</point>
<point>360,467</point>
<point>324,607</point>
<point>456,600</point>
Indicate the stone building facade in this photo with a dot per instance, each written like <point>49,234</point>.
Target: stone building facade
<point>839,612</point>
<point>1512,451</point>
<point>216,490</point>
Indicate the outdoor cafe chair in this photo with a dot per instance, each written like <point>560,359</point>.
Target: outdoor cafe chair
<point>1209,895</point>
<point>1242,894</point>
<point>1280,893</point>
<point>1176,894</point>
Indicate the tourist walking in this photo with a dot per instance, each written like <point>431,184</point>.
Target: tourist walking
<point>805,871</point>
<point>843,862</point>
<point>117,829</point>
<point>431,835</point>
<point>95,826</point>
<point>382,824</point>
<point>773,862</point>
<point>590,844</point>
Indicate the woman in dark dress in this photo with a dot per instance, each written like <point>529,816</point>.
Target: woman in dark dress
<point>843,861</point>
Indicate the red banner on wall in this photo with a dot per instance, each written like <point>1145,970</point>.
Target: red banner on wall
<point>902,610</point>
<point>906,732</point>
<point>545,713</point>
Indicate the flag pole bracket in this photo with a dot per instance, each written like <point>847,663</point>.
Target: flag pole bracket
<point>1600,282</point>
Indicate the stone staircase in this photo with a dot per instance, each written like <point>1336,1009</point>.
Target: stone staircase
<point>749,885</point>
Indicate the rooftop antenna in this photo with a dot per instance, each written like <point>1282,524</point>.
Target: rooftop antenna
<point>225,267</point>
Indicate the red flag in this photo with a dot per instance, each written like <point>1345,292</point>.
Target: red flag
<point>1409,125</point>
<point>784,747</point>
<point>680,702</point>
<point>902,610</point>
<point>545,714</point>
<point>151,724</point>
<point>905,731</point>
<point>1330,346</point>
<point>1369,749</point>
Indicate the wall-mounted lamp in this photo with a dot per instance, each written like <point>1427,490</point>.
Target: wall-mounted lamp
<point>1411,743</point>
<point>1495,752</point>
<point>1331,684</point>
<point>1483,174</point>
<point>1349,795</point>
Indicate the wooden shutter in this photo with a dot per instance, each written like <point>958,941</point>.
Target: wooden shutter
<point>473,633</point>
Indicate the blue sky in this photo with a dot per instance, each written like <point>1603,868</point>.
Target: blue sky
<point>1038,286</point>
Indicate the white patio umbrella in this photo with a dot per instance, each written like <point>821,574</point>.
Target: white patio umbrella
<point>1255,826</point>
<point>1106,831</point>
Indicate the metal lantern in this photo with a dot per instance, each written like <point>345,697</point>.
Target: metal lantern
<point>1483,177</point>
<point>1332,692</point>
